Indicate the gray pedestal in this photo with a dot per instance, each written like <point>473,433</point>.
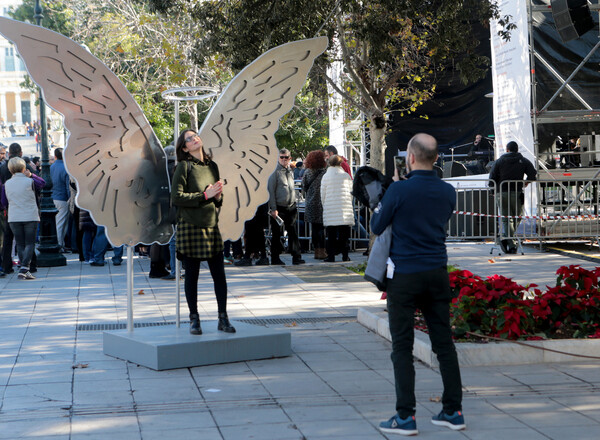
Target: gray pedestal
<point>167,347</point>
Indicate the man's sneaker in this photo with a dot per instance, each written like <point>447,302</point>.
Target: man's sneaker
<point>243,262</point>
<point>276,261</point>
<point>298,260</point>
<point>228,261</point>
<point>396,425</point>
<point>454,421</point>
<point>25,276</point>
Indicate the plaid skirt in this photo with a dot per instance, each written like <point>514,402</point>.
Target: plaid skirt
<point>196,242</point>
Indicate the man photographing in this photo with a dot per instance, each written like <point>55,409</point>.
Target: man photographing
<point>418,209</point>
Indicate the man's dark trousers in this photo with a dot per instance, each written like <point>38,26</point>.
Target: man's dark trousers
<point>510,204</point>
<point>430,292</point>
<point>289,217</point>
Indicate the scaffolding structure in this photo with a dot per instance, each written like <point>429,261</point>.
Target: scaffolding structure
<point>588,113</point>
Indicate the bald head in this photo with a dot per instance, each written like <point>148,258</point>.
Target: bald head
<point>424,148</point>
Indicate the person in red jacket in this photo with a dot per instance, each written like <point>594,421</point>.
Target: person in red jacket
<point>330,150</point>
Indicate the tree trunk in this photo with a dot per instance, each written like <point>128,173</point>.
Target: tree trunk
<point>377,132</point>
<point>194,116</point>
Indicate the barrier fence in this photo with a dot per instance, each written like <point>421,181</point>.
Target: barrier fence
<point>564,209</point>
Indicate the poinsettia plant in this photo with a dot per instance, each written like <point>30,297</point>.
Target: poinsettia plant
<point>499,307</point>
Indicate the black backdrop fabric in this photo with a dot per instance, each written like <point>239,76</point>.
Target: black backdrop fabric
<point>459,112</point>
<point>456,114</point>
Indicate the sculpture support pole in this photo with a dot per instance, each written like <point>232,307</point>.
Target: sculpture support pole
<point>49,249</point>
<point>171,96</point>
<point>129,288</point>
<point>178,290</point>
<point>177,263</point>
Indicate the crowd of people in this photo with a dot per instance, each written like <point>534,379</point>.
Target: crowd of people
<point>326,182</point>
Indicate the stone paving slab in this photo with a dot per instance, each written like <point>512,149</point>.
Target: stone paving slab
<point>55,382</point>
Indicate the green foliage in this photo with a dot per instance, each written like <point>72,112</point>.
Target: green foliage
<point>57,15</point>
<point>305,127</point>
<point>359,268</point>
<point>149,53</point>
<point>393,50</point>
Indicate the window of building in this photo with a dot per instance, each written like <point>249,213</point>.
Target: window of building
<point>9,59</point>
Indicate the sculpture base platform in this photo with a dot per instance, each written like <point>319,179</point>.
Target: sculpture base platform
<point>168,347</point>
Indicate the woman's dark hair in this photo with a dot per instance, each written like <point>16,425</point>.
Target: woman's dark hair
<point>184,155</point>
<point>315,160</point>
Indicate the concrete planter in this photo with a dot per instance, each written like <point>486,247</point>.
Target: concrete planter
<point>493,353</point>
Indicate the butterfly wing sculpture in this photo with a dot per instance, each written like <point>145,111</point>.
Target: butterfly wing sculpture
<point>239,130</point>
<point>112,152</point>
<point>117,160</point>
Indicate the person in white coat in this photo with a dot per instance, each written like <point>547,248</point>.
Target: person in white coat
<point>338,217</point>
<point>19,195</point>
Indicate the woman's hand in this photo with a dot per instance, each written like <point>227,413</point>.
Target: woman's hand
<point>219,186</point>
<point>27,173</point>
<point>214,190</point>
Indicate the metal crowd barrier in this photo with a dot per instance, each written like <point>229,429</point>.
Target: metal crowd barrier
<point>565,209</point>
<point>359,234</point>
<point>474,218</point>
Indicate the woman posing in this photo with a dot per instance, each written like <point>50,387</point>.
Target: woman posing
<point>197,193</point>
<point>315,166</point>
<point>23,213</point>
<point>336,195</point>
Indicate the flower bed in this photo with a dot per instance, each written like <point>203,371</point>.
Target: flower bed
<point>499,307</point>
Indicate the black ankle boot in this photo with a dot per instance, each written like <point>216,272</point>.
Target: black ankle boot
<point>224,324</point>
<point>195,328</point>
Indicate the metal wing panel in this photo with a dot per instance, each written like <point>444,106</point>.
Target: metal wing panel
<point>239,131</point>
<point>112,152</point>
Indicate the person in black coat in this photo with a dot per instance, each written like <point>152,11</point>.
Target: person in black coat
<point>313,209</point>
<point>510,169</point>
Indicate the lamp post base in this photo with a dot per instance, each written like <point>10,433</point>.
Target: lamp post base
<point>51,259</point>
<point>48,250</point>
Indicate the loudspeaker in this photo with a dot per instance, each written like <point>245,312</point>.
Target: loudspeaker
<point>454,169</point>
<point>572,18</point>
<point>474,167</point>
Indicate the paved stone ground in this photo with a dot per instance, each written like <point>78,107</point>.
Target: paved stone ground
<point>55,382</point>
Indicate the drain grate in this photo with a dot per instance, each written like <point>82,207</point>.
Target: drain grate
<point>255,321</point>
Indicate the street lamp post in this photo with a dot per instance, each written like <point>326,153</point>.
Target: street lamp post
<point>49,250</point>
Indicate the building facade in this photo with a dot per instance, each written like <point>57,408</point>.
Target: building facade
<point>17,105</point>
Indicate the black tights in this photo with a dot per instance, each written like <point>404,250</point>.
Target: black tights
<point>217,271</point>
